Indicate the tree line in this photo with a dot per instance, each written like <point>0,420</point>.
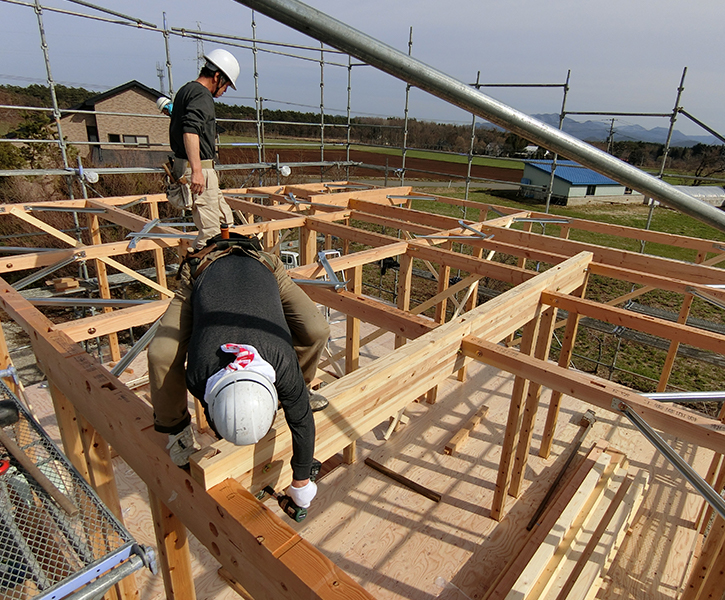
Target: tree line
<point>700,161</point>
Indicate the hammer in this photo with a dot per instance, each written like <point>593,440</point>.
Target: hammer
<point>8,416</point>
<point>588,419</point>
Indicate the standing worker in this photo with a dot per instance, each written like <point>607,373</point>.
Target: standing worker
<point>252,337</point>
<point>192,136</point>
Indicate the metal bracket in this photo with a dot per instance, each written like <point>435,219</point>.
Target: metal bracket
<point>134,235</point>
<point>332,282</point>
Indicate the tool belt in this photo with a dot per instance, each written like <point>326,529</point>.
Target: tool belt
<point>178,192</point>
<point>217,247</point>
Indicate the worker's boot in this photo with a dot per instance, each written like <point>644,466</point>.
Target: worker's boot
<point>182,445</point>
<point>318,401</point>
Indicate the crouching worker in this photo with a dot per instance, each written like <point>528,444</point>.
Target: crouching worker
<point>253,340</point>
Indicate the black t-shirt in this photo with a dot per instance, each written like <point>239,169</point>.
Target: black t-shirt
<point>236,300</point>
<point>193,113</point>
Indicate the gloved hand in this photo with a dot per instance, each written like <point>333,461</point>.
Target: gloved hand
<point>302,496</point>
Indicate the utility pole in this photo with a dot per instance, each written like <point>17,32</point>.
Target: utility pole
<point>161,75</point>
<point>610,137</point>
<point>200,60</point>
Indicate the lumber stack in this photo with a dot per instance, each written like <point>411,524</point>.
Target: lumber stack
<point>568,551</point>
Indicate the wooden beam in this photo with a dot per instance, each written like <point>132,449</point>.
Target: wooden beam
<point>123,318</point>
<point>612,257</point>
<point>71,242</point>
<point>348,261</point>
<point>34,260</point>
<point>675,420</point>
<point>388,318</point>
<point>677,332</point>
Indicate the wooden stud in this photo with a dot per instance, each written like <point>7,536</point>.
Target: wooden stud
<point>513,425</point>
<point>565,353</point>
<point>158,252</point>
<point>173,551</point>
<point>352,348</point>
<point>533,395</point>
<point>674,345</point>
<point>103,287</point>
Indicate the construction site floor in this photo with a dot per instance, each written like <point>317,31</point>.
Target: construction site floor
<point>399,544</point>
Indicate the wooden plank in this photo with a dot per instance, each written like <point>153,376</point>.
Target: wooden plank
<point>685,424</point>
<point>365,398</point>
<point>706,562</point>
<point>460,437</point>
<point>580,532</point>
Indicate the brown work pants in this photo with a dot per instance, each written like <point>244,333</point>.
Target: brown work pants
<point>167,351</point>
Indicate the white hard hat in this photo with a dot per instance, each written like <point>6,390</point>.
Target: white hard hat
<point>162,103</point>
<point>224,61</point>
<point>242,405</point>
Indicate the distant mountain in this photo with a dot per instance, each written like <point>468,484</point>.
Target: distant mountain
<point>598,131</point>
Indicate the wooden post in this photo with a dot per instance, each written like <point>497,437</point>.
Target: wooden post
<point>103,287</point>
<point>352,348</point>
<point>513,425</point>
<point>543,345</point>
<point>405,279</point>
<point>90,455</point>
<point>173,551</point>
<point>565,353</point>
<point>308,246</point>
<point>522,259</point>
<point>158,252</point>
<point>470,305</point>
<point>674,345</point>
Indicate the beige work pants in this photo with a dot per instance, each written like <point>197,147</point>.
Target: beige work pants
<point>209,209</point>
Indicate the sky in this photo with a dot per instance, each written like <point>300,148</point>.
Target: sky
<point>624,55</point>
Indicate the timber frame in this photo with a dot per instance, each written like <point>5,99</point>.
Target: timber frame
<point>215,500</point>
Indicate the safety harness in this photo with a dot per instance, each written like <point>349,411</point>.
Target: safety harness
<point>217,247</point>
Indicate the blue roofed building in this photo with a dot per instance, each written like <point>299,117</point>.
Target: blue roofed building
<point>572,183</point>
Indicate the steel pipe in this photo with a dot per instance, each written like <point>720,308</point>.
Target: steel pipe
<point>324,28</point>
<point>711,496</point>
